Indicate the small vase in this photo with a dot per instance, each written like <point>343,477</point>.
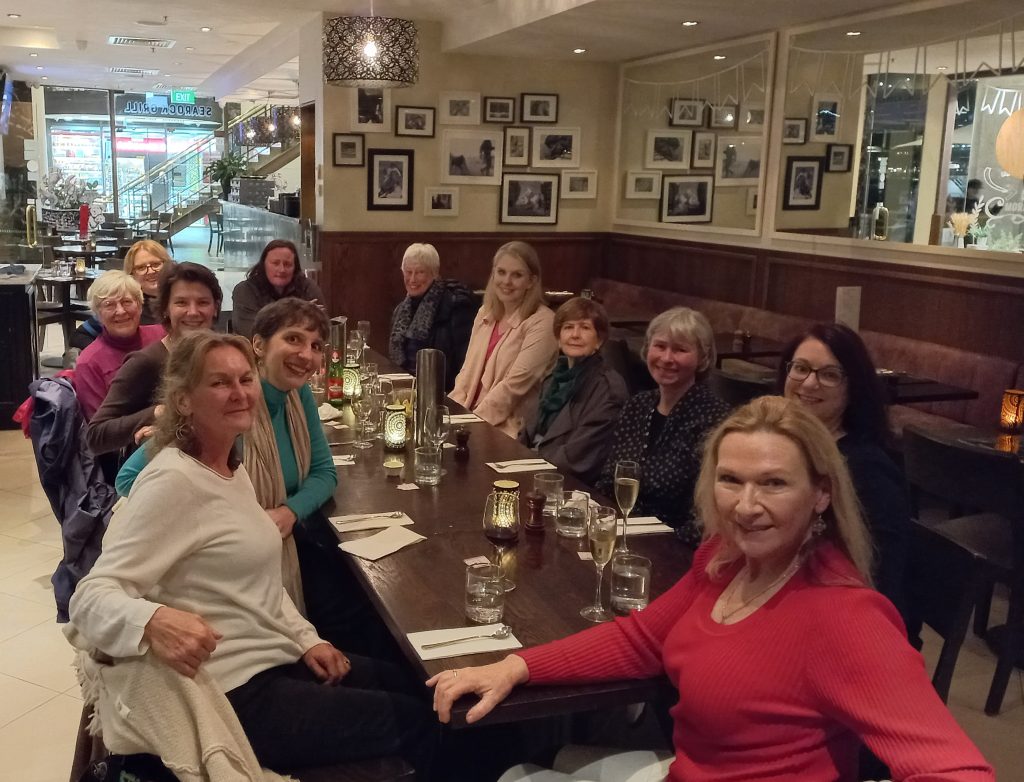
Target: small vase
<point>958,242</point>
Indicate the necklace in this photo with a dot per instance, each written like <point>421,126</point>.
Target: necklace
<point>734,588</point>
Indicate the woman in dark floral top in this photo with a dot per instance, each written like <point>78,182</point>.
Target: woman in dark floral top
<point>664,429</point>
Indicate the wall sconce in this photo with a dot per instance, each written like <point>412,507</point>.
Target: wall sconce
<point>394,427</point>
<point>1012,415</point>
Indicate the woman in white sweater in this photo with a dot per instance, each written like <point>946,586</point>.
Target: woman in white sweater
<point>190,573</point>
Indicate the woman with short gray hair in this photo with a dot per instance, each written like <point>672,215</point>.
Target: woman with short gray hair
<point>664,429</point>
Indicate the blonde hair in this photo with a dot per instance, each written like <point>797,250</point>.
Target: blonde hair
<point>425,255</point>
<point>150,246</point>
<point>685,325</point>
<point>113,283</point>
<point>182,375</point>
<point>534,294</point>
<point>844,526</point>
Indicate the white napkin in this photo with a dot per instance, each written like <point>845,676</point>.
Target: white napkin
<point>648,529</point>
<point>344,461</point>
<point>521,465</point>
<point>396,376</point>
<point>328,412</point>
<point>642,520</point>
<point>380,545</point>
<point>355,522</point>
<point>468,647</point>
<point>465,418</point>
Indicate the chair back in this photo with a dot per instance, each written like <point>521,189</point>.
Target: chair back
<point>736,390</point>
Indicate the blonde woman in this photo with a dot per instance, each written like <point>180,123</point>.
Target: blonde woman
<point>144,261</point>
<point>512,347</point>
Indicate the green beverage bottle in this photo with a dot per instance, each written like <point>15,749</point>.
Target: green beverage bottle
<point>336,380</point>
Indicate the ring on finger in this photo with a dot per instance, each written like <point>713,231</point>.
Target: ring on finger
<point>454,673</point>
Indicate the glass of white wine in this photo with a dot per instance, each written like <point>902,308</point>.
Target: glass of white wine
<point>601,528</point>
<point>627,489</point>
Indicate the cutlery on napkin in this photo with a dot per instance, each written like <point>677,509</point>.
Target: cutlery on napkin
<point>521,465</point>
<point>646,525</point>
<point>357,522</point>
<point>396,376</point>
<point>465,418</point>
<point>475,646</point>
<point>377,546</point>
<point>343,460</point>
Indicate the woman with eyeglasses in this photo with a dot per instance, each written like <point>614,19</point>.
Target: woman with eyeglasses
<point>829,371</point>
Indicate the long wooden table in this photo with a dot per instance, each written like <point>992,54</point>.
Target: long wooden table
<point>422,586</point>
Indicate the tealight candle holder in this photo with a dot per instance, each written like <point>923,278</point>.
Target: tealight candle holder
<point>394,428</point>
<point>351,383</point>
<point>1011,416</point>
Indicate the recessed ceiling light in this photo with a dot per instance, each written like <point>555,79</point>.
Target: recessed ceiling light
<point>690,23</point>
<point>39,67</point>
<point>205,29</point>
<point>942,68</point>
<point>33,54</point>
<point>853,33</point>
<point>176,63</point>
<point>190,48</point>
<point>578,51</point>
<point>44,78</point>
<point>14,16</point>
<point>719,56</point>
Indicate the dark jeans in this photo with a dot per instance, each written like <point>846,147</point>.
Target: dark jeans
<point>293,721</point>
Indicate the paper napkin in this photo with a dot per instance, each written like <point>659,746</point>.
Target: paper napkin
<point>468,647</point>
<point>356,522</point>
<point>328,412</point>
<point>344,460</point>
<point>380,545</point>
<point>521,465</point>
<point>465,418</point>
<point>396,377</point>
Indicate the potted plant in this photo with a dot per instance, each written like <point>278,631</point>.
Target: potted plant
<point>60,197</point>
<point>226,169</point>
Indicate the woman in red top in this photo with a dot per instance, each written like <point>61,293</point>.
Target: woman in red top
<point>785,659</point>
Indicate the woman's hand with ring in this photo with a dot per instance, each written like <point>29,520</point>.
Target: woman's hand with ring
<point>492,683</point>
<point>327,663</point>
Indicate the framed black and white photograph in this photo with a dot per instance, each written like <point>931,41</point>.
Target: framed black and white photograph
<point>389,180</point>
<point>370,110</point>
<point>538,107</point>
<point>802,189</point>
<point>668,149</point>
<point>643,184</point>
<point>738,161</point>
<point>529,198</point>
<point>471,157</point>
<point>704,142</point>
<point>517,146</point>
<point>723,117</point>
<point>685,113</point>
<point>794,130</point>
<point>349,149</point>
<point>414,121</point>
<point>500,110</point>
<point>751,117</point>
<point>556,148</point>
<point>579,184</point>
<point>459,108</point>
<point>686,198</point>
<point>441,202</point>
<point>825,112</point>
<point>838,157</point>
<point>751,202</point>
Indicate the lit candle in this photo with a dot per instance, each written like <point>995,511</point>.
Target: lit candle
<point>1012,415</point>
<point>394,427</point>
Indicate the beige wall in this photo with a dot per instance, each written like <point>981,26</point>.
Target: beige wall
<point>586,100</point>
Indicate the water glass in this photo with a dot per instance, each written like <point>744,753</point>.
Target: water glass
<point>571,521</point>
<point>631,582</point>
<point>551,485</point>
<point>428,466</point>
<point>485,593</point>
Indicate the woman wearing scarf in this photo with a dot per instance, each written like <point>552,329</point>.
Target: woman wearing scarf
<point>581,398</point>
<point>435,313</point>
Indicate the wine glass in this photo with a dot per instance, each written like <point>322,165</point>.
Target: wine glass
<point>363,408</point>
<point>437,422</point>
<point>363,327</point>
<point>602,525</point>
<point>627,489</point>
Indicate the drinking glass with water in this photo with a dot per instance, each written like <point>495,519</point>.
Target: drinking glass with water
<point>571,521</point>
<point>631,582</point>
<point>485,593</point>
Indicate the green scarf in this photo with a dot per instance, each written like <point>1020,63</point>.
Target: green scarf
<point>559,390</point>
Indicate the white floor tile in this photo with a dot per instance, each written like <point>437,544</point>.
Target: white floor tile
<point>17,472</point>
<point>41,656</point>
<point>17,555</point>
<point>43,529</point>
<point>12,441</point>
<point>30,488</point>
<point>18,615</point>
<point>17,508</point>
<point>18,697</point>
<point>32,583</point>
<point>40,745</point>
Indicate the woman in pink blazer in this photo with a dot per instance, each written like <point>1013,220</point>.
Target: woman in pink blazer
<point>512,347</point>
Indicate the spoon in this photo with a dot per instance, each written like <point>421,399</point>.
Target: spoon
<point>395,514</point>
<point>517,462</point>
<point>501,633</point>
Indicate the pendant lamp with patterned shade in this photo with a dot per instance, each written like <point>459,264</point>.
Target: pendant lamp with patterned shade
<point>370,51</point>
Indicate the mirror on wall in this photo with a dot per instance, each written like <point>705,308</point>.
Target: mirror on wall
<point>693,137</point>
<point>907,129</point>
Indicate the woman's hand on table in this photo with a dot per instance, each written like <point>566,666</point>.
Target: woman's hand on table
<point>327,663</point>
<point>181,639</point>
<point>492,683</point>
<point>284,519</point>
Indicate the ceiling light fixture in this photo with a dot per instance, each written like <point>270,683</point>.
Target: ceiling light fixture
<point>14,16</point>
<point>44,78</point>
<point>33,54</point>
<point>190,48</point>
<point>690,23</point>
<point>942,68</point>
<point>370,51</point>
<point>39,67</point>
<point>296,120</point>
<point>205,29</point>
<point>271,127</point>
<point>579,51</point>
<point>719,56</point>
<point>853,33</point>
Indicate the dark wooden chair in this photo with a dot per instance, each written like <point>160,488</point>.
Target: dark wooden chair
<point>955,561</point>
<point>737,390</point>
<point>216,229</point>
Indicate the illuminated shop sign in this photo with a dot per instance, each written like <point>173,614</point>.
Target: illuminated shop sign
<point>154,105</point>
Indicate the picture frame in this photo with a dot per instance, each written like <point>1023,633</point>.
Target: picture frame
<point>414,121</point>
<point>458,108</point>
<point>686,198</point>
<point>538,107</point>
<point>370,110</point>
<point>441,201</point>
<point>704,143</point>
<point>802,188</point>
<point>389,180</point>
<point>752,201</point>
<point>738,161</point>
<point>529,198</point>
<point>839,158</point>
<point>471,157</point>
<point>683,113</point>
<point>668,149</point>
<point>556,148</point>
<point>501,110</point>
<point>578,184</point>
<point>751,118</point>
<point>826,110</point>
<point>517,145</point>
<point>723,117</point>
<point>794,130</point>
<point>643,184</point>
<point>349,149</point>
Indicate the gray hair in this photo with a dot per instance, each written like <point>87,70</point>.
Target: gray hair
<point>425,255</point>
<point>113,283</point>
<point>682,324</point>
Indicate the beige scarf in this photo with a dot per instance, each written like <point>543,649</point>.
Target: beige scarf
<point>263,464</point>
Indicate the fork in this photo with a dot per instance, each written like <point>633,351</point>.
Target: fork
<point>517,462</point>
<point>394,514</point>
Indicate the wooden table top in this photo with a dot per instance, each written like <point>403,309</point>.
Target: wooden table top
<point>80,249</point>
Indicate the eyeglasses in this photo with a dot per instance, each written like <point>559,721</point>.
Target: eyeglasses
<point>110,305</point>
<point>143,268</point>
<point>829,377</point>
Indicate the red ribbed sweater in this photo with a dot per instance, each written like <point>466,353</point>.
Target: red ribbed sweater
<point>785,694</point>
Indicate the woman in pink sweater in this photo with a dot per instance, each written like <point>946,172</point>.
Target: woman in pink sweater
<point>784,658</point>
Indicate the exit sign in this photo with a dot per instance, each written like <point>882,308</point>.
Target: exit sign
<point>183,96</point>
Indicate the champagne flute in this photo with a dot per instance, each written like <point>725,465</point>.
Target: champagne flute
<point>602,525</point>
<point>364,328</point>
<point>627,489</point>
<point>437,423</point>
